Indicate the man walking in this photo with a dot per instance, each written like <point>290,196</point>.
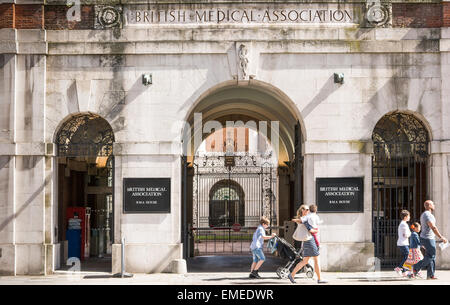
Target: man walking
<point>427,239</point>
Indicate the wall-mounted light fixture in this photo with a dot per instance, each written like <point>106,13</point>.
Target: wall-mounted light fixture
<point>147,79</point>
<point>338,78</point>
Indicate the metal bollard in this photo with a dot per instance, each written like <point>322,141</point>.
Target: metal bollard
<point>122,273</point>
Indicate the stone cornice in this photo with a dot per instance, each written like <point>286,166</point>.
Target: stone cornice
<point>204,2</point>
<point>173,40</point>
<point>161,2</point>
<point>362,147</point>
<point>169,148</point>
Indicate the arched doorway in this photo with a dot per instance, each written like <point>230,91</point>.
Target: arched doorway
<point>85,167</point>
<point>400,179</point>
<point>226,204</point>
<point>260,151</point>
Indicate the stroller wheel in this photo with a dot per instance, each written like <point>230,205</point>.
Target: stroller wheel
<point>278,272</point>
<point>284,272</point>
<point>309,273</point>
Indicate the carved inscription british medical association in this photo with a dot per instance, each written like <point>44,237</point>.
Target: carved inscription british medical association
<point>218,15</point>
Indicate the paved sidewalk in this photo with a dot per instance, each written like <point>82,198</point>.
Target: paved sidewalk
<point>216,270</point>
<point>233,278</point>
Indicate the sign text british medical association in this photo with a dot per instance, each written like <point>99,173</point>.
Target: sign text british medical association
<point>344,194</point>
<point>226,15</point>
<point>146,195</point>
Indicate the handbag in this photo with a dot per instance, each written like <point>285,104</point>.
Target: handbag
<point>301,233</point>
<point>272,245</point>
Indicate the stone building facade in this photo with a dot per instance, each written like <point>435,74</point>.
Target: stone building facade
<point>261,60</point>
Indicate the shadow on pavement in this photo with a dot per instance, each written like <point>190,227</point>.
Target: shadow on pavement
<point>92,264</point>
<point>230,264</point>
<point>243,278</point>
<point>97,277</point>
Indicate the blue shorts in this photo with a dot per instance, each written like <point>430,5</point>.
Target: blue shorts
<point>258,255</point>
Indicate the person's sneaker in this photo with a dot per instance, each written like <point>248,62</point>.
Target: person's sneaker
<point>432,278</point>
<point>418,274</point>
<point>255,272</point>
<point>291,279</point>
<point>322,281</point>
<point>398,270</point>
<point>252,275</point>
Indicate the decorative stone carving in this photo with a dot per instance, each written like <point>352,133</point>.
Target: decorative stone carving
<point>378,14</point>
<point>243,61</point>
<point>108,17</point>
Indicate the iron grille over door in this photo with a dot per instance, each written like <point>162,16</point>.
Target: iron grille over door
<point>85,135</point>
<point>399,173</point>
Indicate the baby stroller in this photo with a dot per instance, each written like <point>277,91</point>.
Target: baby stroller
<point>287,251</point>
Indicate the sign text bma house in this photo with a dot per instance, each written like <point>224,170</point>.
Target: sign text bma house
<point>340,194</point>
<point>146,195</point>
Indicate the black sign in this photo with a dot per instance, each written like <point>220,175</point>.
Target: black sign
<point>340,194</point>
<point>229,161</point>
<point>146,195</point>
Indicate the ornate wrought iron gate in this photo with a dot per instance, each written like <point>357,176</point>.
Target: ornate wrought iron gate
<point>231,193</point>
<point>399,173</point>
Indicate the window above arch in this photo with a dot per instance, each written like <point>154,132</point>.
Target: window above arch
<point>85,135</point>
<point>225,193</point>
<point>400,135</point>
<point>400,127</point>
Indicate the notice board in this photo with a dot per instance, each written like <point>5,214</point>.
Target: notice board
<point>340,194</point>
<point>146,195</point>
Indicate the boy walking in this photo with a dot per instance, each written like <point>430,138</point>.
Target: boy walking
<point>403,241</point>
<point>257,247</point>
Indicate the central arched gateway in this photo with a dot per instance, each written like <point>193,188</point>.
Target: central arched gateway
<point>248,136</point>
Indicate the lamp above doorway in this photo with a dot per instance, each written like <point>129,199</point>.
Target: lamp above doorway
<point>338,78</point>
<point>147,79</point>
